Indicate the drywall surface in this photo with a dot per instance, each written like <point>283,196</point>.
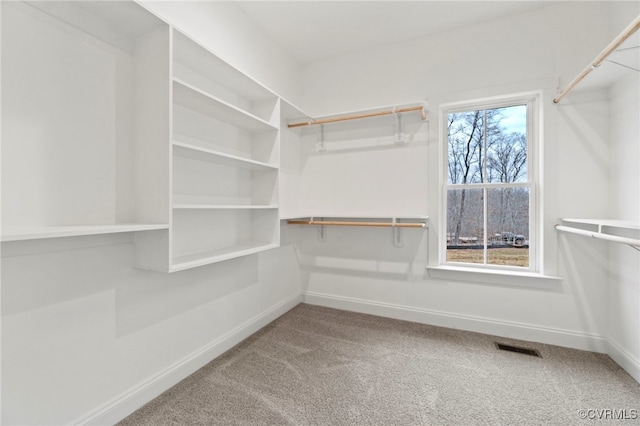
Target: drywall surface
<point>83,330</point>
<point>362,269</point>
<point>624,261</point>
<point>226,30</point>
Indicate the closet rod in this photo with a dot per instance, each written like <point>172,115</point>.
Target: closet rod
<point>624,35</point>
<point>338,223</point>
<point>420,108</point>
<point>599,235</point>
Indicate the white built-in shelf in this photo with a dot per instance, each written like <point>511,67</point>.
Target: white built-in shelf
<point>21,234</point>
<point>207,257</point>
<point>618,231</point>
<point>191,97</point>
<point>195,152</point>
<point>216,202</point>
<point>192,55</point>
<point>610,223</point>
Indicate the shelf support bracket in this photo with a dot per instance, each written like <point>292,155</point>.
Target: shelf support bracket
<point>322,231</point>
<point>398,237</point>
<point>399,136</point>
<point>623,65</point>
<point>320,145</point>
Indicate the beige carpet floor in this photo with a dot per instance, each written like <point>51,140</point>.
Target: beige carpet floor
<point>320,366</point>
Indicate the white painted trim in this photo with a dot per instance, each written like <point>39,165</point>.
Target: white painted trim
<point>510,329</point>
<point>495,276</point>
<point>534,100</point>
<point>624,359</point>
<point>126,403</point>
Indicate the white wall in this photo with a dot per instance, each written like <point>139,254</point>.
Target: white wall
<point>82,329</point>
<point>624,262</point>
<point>534,51</point>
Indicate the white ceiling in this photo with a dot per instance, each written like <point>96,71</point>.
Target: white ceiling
<point>315,30</point>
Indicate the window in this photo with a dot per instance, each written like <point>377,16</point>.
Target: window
<point>489,193</point>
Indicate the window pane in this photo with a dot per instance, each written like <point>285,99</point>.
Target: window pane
<point>507,144</point>
<point>508,226</point>
<point>465,226</point>
<point>465,146</point>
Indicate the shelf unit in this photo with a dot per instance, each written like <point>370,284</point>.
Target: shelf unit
<point>134,127</point>
<point>225,160</point>
<point>84,116</point>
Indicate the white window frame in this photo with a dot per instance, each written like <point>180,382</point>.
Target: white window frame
<point>533,101</point>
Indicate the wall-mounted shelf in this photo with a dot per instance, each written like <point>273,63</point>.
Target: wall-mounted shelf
<point>603,229</point>
<point>361,115</point>
<point>85,138</point>
<point>397,224</point>
<point>197,66</point>
<point>630,62</point>
<point>193,98</point>
<point>21,234</point>
<point>216,157</point>
<point>202,258</point>
<point>389,223</point>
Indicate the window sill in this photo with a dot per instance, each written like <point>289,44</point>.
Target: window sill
<point>495,277</point>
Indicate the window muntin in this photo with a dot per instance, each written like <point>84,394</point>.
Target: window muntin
<point>489,203</point>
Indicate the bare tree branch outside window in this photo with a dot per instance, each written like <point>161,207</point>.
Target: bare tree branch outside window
<point>488,146</point>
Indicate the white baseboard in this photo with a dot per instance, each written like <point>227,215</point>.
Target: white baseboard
<point>624,359</point>
<point>128,402</point>
<point>513,330</point>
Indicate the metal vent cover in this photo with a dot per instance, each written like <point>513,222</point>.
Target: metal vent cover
<point>518,349</point>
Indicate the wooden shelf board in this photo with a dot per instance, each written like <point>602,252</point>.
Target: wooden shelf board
<point>375,221</point>
<point>354,216</point>
<point>207,257</point>
<point>198,153</point>
<point>191,97</point>
<point>24,233</point>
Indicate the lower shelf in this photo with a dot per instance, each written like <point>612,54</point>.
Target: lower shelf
<point>35,233</point>
<point>193,260</point>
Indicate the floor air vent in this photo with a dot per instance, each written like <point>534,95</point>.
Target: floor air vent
<point>518,349</point>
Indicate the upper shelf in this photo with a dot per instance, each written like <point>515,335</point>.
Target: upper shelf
<point>197,100</point>
<point>615,61</point>
<point>365,114</point>
<point>383,222</point>
<point>611,223</point>
<point>193,56</point>
<point>117,23</point>
<point>618,231</point>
